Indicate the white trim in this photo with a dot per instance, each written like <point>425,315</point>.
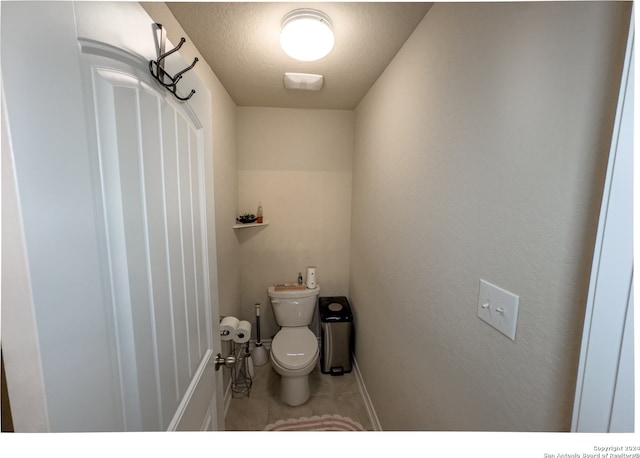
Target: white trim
<point>136,61</point>
<point>611,281</point>
<point>20,343</point>
<point>206,424</point>
<point>365,396</point>
<point>184,403</point>
<point>227,398</point>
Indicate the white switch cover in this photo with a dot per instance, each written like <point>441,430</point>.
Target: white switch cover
<point>499,308</point>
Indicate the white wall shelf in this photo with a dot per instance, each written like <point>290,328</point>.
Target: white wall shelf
<point>243,226</point>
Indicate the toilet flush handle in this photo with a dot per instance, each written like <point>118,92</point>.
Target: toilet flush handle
<point>275,301</point>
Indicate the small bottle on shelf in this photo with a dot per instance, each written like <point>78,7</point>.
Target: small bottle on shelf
<point>259,213</point>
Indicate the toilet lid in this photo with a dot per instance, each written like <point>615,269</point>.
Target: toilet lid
<point>294,348</point>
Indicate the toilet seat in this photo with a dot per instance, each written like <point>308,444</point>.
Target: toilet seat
<point>294,348</point>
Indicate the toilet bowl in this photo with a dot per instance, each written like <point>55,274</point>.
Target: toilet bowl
<point>294,349</point>
<point>294,355</point>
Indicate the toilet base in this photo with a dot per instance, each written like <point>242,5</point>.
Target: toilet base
<point>294,383</point>
<point>294,391</point>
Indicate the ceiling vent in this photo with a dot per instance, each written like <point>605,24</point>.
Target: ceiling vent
<point>303,81</point>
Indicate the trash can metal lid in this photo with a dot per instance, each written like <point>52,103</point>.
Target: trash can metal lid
<point>335,309</point>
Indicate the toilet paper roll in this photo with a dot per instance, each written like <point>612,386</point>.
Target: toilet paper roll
<point>311,277</point>
<point>243,332</point>
<point>228,327</point>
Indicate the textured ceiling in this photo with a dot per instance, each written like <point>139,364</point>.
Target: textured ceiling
<point>240,42</point>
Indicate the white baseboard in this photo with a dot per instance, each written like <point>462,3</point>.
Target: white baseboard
<point>227,398</point>
<point>365,395</point>
<point>189,415</point>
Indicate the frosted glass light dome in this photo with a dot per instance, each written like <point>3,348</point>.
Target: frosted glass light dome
<point>306,35</point>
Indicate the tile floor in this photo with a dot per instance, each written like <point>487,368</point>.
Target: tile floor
<point>329,395</point>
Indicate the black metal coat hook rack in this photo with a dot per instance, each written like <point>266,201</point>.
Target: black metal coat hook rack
<point>156,67</point>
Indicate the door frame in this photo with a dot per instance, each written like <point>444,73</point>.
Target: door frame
<point>604,375</point>
<point>21,348</point>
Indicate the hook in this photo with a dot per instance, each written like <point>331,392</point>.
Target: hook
<point>161,57</point>
<point>160,74</point>
<point>193,91</point>
<point>178,75</point>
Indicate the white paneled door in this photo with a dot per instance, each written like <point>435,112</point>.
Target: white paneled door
<point>112,181</point>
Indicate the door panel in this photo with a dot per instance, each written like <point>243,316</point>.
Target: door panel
<point>151,111</point>
<point>47,125</point>
<point>174,244</point>
<point>116,220</point>
<point>151,156</point>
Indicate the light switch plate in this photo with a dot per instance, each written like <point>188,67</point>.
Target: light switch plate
<point>499,308</point>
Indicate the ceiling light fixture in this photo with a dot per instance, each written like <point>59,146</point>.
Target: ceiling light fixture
<point>306,34</point>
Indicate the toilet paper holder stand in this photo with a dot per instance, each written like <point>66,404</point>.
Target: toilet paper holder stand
<point>225,333</point>
<point>230,361</point>
<point>226,361</point>
<point>241,376</point>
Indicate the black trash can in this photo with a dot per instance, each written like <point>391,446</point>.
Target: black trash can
<point>336,328</point>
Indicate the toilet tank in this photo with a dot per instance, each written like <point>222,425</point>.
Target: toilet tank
<point>293,308</point>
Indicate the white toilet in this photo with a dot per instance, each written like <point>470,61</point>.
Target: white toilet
<point>294,350</point>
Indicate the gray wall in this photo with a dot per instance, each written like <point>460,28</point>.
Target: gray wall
<point>480,154</point>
